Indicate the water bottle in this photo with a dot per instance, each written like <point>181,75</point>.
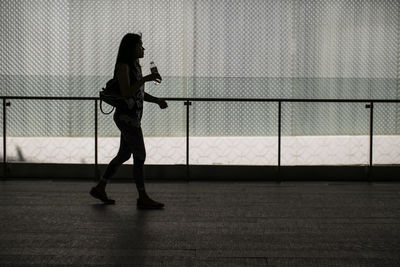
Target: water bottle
<point>153,69</point>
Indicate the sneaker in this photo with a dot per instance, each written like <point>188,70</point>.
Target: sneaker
<point>148,203</point>
<point>100,193</point>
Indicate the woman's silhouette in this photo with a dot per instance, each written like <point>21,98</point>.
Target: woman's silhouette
<point>128,72</point>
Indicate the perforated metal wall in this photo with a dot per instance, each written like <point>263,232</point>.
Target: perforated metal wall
<point>232,48</point>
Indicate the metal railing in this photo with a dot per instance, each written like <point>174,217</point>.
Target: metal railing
<point>187,102</point>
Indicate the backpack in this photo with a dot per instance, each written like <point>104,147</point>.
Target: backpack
<point>112,96</point>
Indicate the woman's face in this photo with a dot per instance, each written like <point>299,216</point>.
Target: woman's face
<point>139,50</point>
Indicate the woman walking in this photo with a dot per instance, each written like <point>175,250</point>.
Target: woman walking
<point>128,72</point>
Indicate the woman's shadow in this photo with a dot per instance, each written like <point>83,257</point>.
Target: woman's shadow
<point>126,231</point>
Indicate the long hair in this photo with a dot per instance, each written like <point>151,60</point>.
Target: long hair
<point>126,51</point>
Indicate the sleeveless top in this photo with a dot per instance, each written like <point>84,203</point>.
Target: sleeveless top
<point>133,115</point>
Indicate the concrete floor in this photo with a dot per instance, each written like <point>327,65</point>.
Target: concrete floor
<point>204,224</point>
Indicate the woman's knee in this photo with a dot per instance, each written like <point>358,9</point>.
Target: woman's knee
<point>138,161</point>
<point>122,157</point>
<point>139,156</point>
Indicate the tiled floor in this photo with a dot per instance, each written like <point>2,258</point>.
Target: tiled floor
<point>204,224</point>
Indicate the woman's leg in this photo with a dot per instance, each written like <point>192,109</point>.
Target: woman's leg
<point>123,155</point>
<point>138,175</point>
<point>136,142</point>
<point>139,156</point>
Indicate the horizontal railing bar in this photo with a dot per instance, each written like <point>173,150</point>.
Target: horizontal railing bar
<point>48,98</point>
<point>284,100</point>
<point>219,99</point>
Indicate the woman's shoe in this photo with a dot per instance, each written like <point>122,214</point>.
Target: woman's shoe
<point>100,193</point>
<point>148,203</point>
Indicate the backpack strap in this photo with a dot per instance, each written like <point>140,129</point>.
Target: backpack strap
<point>101,108</point>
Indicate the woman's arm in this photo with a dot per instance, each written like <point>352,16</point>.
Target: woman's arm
<point>161,102</point>
<point>150,98</point>
<point>123,81</point>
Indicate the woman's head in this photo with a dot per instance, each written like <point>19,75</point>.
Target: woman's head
<point>130,48</point>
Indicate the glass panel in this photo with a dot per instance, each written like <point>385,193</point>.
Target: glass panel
<point>239,49</point>
<point>386,143</point>
<point>46,131</point>
<point>234,133</point>
<point>325,134</point>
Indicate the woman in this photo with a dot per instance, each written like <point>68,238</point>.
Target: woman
<point>128,72</point>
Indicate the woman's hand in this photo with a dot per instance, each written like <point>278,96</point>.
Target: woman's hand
<point>162,103</point>
<point>153,77</point>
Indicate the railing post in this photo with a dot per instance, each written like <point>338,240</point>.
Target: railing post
<point>371,140</point>
<point>371,135</point>
<point>278,178</point>
<point>96,167</point>
<point>4,140</point>
<point>187,104</point>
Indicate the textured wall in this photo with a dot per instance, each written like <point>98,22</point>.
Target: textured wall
<point>240,49</point>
